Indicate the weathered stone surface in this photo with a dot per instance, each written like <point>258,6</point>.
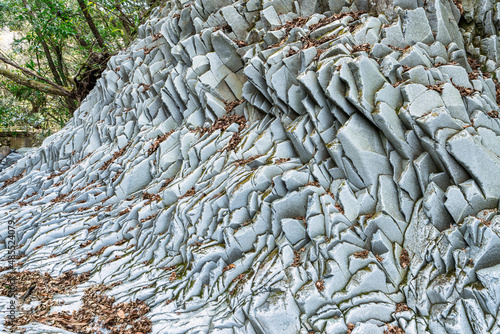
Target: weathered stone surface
<point>304,182</point>
<point>481,163</point>
<point>9,157</point>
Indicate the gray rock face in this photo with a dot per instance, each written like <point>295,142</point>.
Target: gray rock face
<point>333,186</point>
<point>8,157</point>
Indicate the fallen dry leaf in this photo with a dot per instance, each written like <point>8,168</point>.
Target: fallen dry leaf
<point>121,314</point>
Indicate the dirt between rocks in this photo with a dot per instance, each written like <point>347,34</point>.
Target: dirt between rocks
<point>12,180</point>
<point>116,155</point>
<point>114,318</point>
<point>160,139</point>
<point>222,124</point>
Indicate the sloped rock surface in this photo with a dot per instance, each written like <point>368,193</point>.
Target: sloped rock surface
<point>9,159</point>
<point>278,167</point>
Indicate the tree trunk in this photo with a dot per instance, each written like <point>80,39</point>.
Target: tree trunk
<point>91,24</point>
<point>60,65</point>
<point>71,103</point>
<point>127,25</point>
<point>46,49</point>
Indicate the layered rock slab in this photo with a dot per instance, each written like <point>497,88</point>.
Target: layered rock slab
<point>352,195</point>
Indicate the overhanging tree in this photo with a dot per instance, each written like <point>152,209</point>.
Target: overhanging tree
<point>68,43</point>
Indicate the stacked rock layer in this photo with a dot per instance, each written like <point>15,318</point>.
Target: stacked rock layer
<point>282,166</point>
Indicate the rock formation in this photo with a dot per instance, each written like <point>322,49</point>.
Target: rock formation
<point>282,166</point>
<point>8,157</point>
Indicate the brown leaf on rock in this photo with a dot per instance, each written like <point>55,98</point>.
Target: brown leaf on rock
<point>282,42</point>
<point>473,63</point>
<point>115,156</point>
<point>393,330</point>
<point>233,142</point>
<point>319,52</point>
<point>437,88</point>
<point>464,91</point>
<point>158,141</point>
<point>120,242</point>
<point>362,47</point>
<point>157,36</point>
<point>493,114</point>
<point>335,17</point>
<point>54,175</point>
<point>170,268</point>
<point>166,183</point>
<point>296,258</point>
<point>117,175</point>
<point>224,27</point>
<point>239,278</point>
<point>400,307</point>
<point>497,91</point>
<point>223,123</point>
<point>233,104</point>
<point>281,160</point>
<point>397,84</point>
<point>339,208</point>
<point>124,212</point>
<point>459,6</point>
<point>12,180</point>
<point>95,227</point>
<point>361,254</point>
<point>240,43</point>
<point>292,52</point>
<point>33,285</point>
<point>404,258</point>
<point>59,198</point>
<point>148,218</point>
<point>85,244</point>
<point>151,197</point>
<point>242,162</point>
<point>310,42</point>
<point>121,314</point>
<point>189,193</point>
<point>229,267</point>
<point>395,48</point>
<point>38,247</point>
<point>312,183</point>
<point>295,23</point>
<point>473,75</point>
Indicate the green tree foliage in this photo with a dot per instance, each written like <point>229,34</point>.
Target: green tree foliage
<point>61,48</point>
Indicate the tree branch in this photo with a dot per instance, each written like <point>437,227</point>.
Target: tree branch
<point>29,72</point>
<point>36,85</point>
<point>90,22</point>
